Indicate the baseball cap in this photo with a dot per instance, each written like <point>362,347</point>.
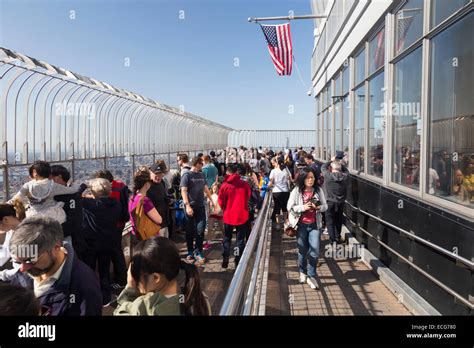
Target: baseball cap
<point>156,168</point>
<point>339,154</point>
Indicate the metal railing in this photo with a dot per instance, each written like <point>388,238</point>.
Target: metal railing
<point>410,235</point>
<point>272,138</point>
<point>459,259</point>
<point>245,290</point>
<point>52,114</point>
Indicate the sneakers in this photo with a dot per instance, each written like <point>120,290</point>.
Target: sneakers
<point>190,258</point>
<point>325,231</point>
<point>206,246</point>
<point>311,281</point>
<point>199,258</point>
<point>302,278</point>
<point>225,263</point>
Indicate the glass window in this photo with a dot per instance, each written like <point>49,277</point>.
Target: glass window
<point>338,129</point>
<point>359,104</point>
<point>442,9</point>
<point>338,90</point>
<point>360,67</point>
<point>345,125</point>
<point>329,88</point>
<point>407,120</point>
<point>324,134</point>
<point>377,51</point>
<point>451,147</point>
<point>345,81</point>
<point>323,99</point>
<point>408,24</point>
<point>376,125</point>
<point>329,134</point>
<point>316,145</point>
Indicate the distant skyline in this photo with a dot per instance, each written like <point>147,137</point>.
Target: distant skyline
<point>199,54</point>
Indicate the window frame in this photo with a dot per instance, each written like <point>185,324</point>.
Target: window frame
<point>390,59</point>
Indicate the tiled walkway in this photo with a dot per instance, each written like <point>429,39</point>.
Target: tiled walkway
<point>346,286</point>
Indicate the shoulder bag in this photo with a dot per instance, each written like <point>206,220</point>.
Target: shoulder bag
<point>144,226</point>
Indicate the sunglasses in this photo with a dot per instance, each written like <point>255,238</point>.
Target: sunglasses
<point>29,261</point>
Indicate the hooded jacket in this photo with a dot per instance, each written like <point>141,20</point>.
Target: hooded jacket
<point>335,183</point>
<point>234,196</point>
<point>40,193</point>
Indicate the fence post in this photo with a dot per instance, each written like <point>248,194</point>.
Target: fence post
<point>5,181</point>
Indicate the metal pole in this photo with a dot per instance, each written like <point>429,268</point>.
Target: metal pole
<point>288,18</point>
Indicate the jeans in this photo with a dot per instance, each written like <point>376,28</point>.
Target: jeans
<point>334,220</point>
<point>308,244</point>
<point>241,233</point>
<point>195,226</point>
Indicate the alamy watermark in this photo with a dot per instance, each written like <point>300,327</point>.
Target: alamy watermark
<point>341,251</point>
<point>399,109</point>
<point>75,109</point>
<point>21,251</point>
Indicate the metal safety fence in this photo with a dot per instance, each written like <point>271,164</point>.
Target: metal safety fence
<point>52,114</point>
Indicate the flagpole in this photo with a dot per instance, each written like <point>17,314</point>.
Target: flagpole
<point>289,18</point>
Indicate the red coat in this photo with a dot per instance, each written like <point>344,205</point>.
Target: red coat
<point>234,196</point>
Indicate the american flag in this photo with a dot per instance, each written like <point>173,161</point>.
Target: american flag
<point>403,24</point>
<point>380,50</point>
<point>279,45</point>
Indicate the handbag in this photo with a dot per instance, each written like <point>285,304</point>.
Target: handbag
<point>291,184</point>
<point>290,227</point>
<point>144,226</point>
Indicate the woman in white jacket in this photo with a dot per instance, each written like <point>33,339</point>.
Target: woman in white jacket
<point>305,205</point>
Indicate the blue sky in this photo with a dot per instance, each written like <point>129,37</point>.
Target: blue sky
<point>175,61</point>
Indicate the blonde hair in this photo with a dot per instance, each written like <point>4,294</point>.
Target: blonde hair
<point>19,209</point>
<point>100,187</point>
<point>216,187</point>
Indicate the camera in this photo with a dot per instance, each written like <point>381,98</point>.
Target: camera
<point>316,202</point>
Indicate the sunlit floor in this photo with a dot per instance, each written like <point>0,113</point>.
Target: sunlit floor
<point>346,285</point>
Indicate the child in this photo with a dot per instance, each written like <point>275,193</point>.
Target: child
<point>263,182</point>
<point>215,215</point>
<point>152,284</point>
<point>40,191</point>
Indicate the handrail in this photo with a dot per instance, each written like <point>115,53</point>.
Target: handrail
<point>461,259</point>
<point>249,303</point>
<point>446,288</point>
<point>234,302</point>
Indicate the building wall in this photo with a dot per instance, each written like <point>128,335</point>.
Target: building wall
<point>393,85</point>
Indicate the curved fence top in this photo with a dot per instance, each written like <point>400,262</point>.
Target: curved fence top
<point>53,114</point>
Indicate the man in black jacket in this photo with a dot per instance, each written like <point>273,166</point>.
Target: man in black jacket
<point>158,195</point>
<point>63,284</point>
<point>335,189</point>
<point>72,228</point>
